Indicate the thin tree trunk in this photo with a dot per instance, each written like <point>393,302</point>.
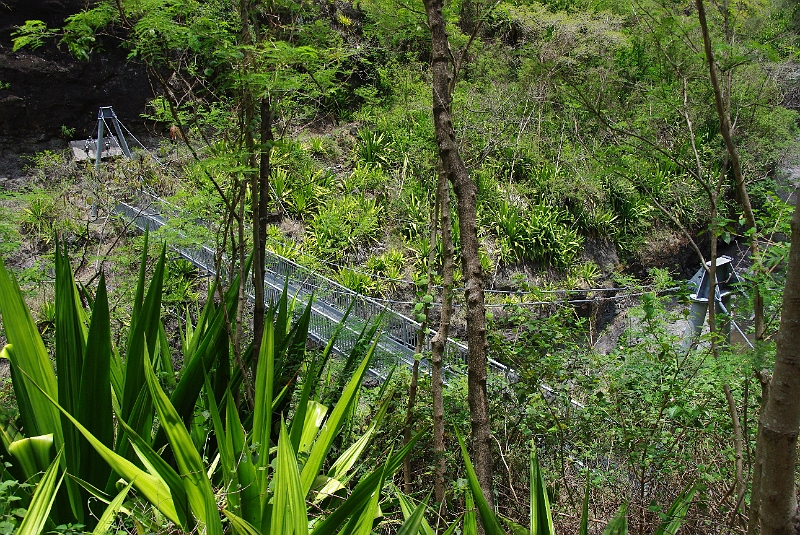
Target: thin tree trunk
<point>465,190</point>
<point>412,389</point>
<point>738,446</point>
<point>260,197</point>
<point>781,418</point>
<point>255,209</point>
<point>726,129</point>
<point>439,341</point>
<point>754,518</point>
<point>236,341</point>
<point>246,135</point>
<point>412,399</point>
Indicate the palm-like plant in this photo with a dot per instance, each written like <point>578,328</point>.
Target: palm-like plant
<point>92,383</point>
<point>262,489</point>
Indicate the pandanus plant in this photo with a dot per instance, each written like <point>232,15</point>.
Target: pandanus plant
<point>72,411</point>
<point>113,425</point>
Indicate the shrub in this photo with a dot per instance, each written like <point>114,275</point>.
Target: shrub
<point>38,217</point>
<point>539,233</point>
<point>388,265</point>
<point>364,177</point>
<point>415,215</point>
<point>373,148</point>
<point>355,280</point>
<point>343,226</point>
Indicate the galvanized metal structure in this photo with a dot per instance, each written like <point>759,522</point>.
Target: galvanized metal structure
<point>110,145</point>
<point>330,301</point>
<point>700,287</point>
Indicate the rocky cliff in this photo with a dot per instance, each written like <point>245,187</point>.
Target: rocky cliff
<point>42,90</point>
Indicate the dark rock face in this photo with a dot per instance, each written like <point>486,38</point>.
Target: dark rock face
<point>43,89</point>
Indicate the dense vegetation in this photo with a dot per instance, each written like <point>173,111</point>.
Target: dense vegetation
<point>591,134</point>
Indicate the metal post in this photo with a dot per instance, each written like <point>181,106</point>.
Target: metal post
<point>98,150</point>
<point>697,318</point>
<point>120,138</point>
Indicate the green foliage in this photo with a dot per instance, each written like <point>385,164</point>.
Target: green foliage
<point>320,146</point>
<point>10,238</point>
<point>583,275</point>
<point>539,233</point>
<point>67,132</point>
<point>185,495</point>
<point>619,524</point>
<point>541,517</point>
<point>574,123</point>
<point>343,226</point>
<point>39,217</point>
<point>355,280</point>
<point>36,516</point>
<point>414,215</point>
<point>81,28</point>
<point>180,283</point>
<point>389,267</point>
<point>87,374</point>
<point>32,35</point>
<point>364,178</point>
<point>299,184</point>
<point>373,148</point>
<point>398,26</point>
<point>306,198</point>
<point>11,514</point>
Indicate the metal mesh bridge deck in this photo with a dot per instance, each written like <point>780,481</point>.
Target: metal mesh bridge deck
<point>330,300</point>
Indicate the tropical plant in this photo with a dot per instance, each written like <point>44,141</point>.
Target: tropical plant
<point>281,187</point>
<point>177,482</point>
<point>38,218</point>
<point>307,197</point>
<point>364,177</point>
<point>318,145</point>
<point>342,226</point>
<point>415,217</point>
<point>539,233</point>
<point>355,280</point>
<point>89,369</point>
<point>388,265</point>
<point>510,226</point>
<point>373,147</point>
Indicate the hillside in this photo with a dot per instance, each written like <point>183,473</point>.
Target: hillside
<point>603,162</point>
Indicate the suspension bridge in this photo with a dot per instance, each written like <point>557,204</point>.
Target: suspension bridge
<point>336,311</point>
<point>330,301</point>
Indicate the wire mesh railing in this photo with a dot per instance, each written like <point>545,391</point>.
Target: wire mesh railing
<point>334,307</point>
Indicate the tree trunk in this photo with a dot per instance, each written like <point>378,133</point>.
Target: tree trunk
<point>412,399</point>
<point>260,198</point>
<point>781,417</point>
<point>726,129</point>
<point>456,172</point>
<point>246,132</point>
<point>741,484</point>
<point>754,519</point>
<point>412,389</point>
<point>440,340</point>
